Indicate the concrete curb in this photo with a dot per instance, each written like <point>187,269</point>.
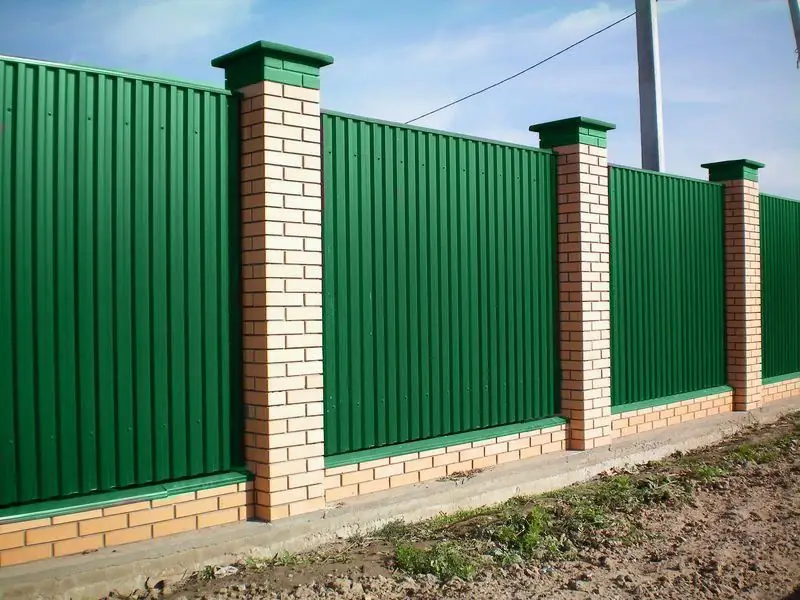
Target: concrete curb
<point>126,568</point>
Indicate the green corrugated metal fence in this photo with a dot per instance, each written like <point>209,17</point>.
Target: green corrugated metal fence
<point>780,286</point>
<point>667,285</point>
<point>115,281</point>
<point>439,284</point>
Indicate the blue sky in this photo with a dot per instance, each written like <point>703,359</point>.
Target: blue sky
<point>730,84</point>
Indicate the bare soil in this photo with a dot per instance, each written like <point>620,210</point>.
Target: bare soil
<point>736,536</point>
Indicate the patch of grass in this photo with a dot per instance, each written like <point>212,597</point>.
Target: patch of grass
<point>394,531</point>
<point>548,527</point>
<point>287,559</point>
<point>627,493</point>
<point>445,520</point>
<point>705,473</point>
<point>445,560</point>
<point>521,533</point>
<point>206,573</point>
<point>755,453</point>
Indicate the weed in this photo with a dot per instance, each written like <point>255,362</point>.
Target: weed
<point>282,559</point>
<point>521,533</point>
<point>206,574</point>
<point>358,538</point>
<point>394,531</point>
<point>756,453</point>
<point>706,473</point>
<point>444,520</point>
<point>445,560</point>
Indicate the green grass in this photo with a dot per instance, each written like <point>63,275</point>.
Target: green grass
<point>445,560</point>
<point>707,473</point>
<point>755,453</point>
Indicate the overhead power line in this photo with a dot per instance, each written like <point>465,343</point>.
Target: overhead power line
<point>541,62</point>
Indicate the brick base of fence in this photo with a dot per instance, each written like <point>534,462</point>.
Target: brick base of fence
<point>382,474</point>
<point>122,523</point>
<point>655,417</point>
<point>771,392</point>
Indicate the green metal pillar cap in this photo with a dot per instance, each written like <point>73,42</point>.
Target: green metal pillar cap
<point>267,61</point>
<point>728,170</point>
<point>576,130</point>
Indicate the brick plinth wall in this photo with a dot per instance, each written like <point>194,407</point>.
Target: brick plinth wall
<point>742,278</point>
<point>654,417</point>
<point>771,392</point>
<point>385,473</point>
<point>583,272</point>
<point>26,541</point>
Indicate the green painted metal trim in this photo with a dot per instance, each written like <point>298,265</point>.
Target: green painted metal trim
<point>462,136</point>
<point>267,61</point>
<point>575,130</point>
<point>350,458</point>
<point>728,170</point>
<point>670,175</point>
<point>55,508</point>
<point>633,406</point>
<point>204,87</point>
<point>779,378</point>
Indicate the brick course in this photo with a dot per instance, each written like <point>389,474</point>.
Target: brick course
<point>26,541</point>
<point>780,390</point>
<point>655,417</point>
<point>382,474</point>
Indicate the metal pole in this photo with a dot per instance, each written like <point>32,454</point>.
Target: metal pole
<point>650,118</point>
<point>794,9</point>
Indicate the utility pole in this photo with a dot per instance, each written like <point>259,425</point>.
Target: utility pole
<point>650,116</point>
<point>794,9</point>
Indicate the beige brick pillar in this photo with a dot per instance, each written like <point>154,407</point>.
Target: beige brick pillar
<point>742,277</point>
<point>583,276</point>
<point>281,210</point>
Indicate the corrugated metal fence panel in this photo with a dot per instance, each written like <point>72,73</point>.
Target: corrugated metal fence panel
<point>115,281</point>
<point>439,284</point>
<point>667,285</point>
<point>780,285</point>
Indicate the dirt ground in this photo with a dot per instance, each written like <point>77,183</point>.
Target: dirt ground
<point>735,533</point>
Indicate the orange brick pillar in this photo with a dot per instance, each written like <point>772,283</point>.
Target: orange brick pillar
<point>281,210</point>
<point>583,276</point>
<point>742,277</point>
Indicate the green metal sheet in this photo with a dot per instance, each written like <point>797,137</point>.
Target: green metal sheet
<point>667,285</point>
<point>116,282</point>
<point>780,286</point>
<point>439,284</point>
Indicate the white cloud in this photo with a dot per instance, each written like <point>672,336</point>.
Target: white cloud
<point>667,6</point>
<point>164,30</point>
<point>583,22</point>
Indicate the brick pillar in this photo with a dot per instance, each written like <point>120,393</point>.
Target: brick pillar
<point>583,276</point>
<point>742,277</point>
<point>281,210</point>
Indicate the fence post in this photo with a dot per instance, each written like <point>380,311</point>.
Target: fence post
<point>583,275</point>
<point>281,210</point>
<point>742,277</point>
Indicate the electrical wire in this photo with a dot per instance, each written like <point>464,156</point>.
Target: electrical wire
<point>541,62</point>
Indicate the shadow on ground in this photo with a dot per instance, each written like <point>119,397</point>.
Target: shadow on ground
<point>795,595</point>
